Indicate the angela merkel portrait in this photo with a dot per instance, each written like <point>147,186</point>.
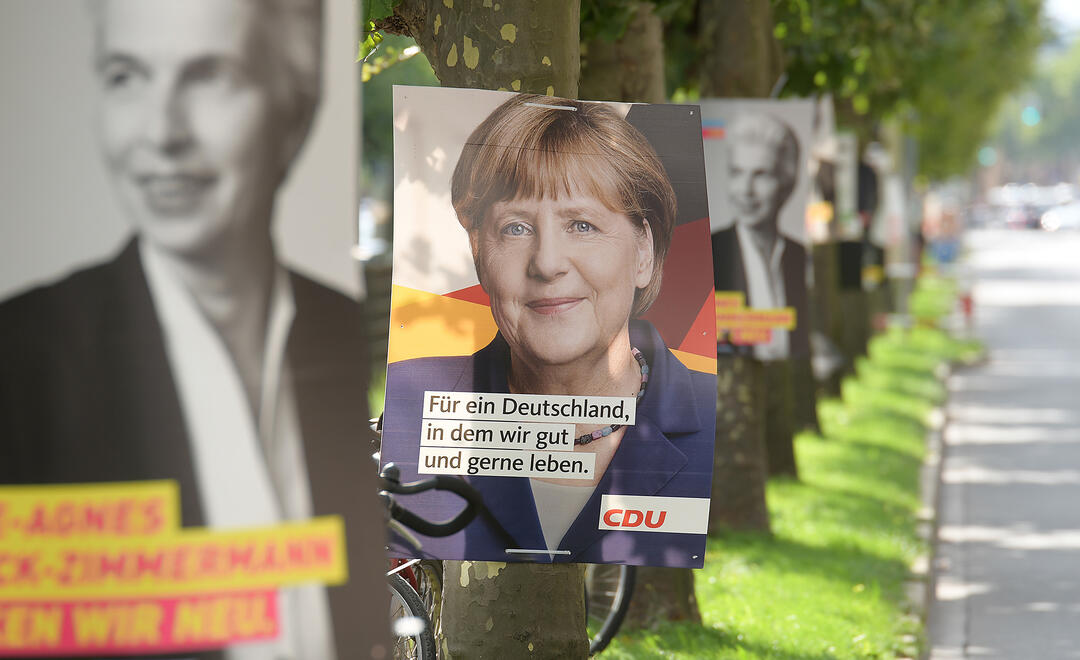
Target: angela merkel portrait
<point>570,215</point>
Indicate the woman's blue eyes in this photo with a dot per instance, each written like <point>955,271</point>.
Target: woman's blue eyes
<point>515,229</point>
<point>522,229</point>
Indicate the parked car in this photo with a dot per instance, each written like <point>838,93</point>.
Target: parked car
<point>1023,217</point>
<point>1062,218</point>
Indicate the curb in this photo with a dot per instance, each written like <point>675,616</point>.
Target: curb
<point>919,588</point>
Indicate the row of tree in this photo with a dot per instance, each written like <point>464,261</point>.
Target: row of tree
<point>924,66</point>
<point>940,69</point>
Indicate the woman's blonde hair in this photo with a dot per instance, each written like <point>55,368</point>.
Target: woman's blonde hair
<point>536,146</point>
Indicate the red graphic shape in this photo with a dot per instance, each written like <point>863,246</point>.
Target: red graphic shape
<point>473,294</point>
<point>701,338</point>
<point>687,286</point>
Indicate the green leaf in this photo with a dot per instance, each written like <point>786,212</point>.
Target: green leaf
<point>369,43</point>
<point>376,9</point>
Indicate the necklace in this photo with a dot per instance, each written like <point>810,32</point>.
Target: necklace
<point>611,428</point>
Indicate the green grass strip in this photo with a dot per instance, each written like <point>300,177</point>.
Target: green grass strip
<point>830,581</point>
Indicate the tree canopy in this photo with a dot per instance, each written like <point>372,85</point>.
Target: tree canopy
<point>1037,128</point>
<point>940,69</point>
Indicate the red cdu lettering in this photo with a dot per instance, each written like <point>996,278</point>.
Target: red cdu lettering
<point>659,519</point>
<point>609,517</point>
<point>638,517</point>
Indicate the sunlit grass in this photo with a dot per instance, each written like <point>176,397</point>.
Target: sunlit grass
<point>829,582</point>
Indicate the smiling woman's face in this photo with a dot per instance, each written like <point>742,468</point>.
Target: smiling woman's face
<point>187,120</point>
<point>561,274</point>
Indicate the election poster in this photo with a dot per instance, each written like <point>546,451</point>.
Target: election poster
<point>849,224</point>
<point>176,306</point>
<point>552,336</point>
<point>821,168</point>
<point>106,569</point>
<point>756,154</point>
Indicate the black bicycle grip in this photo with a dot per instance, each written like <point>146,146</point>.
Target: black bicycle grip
<point>429,528</point>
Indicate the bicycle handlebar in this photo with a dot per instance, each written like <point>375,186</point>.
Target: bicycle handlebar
<point>390,484</point>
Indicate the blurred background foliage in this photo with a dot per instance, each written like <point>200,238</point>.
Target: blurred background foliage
<point>1038,128</point>
<point>942,70</point>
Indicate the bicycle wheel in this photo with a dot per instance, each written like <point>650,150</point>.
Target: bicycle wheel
<point>608,589</point>
<point>429,587</point>
<point>413,639</point>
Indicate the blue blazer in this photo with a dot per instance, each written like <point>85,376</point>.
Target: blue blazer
<point>668,452</point>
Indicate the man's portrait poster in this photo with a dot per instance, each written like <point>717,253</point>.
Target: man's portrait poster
<point>552,325</point>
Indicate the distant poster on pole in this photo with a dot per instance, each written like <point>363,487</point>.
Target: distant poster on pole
<point>846,159</point>
<point>820,208</point>
<point>552,326</point>
<point>849,225</point>
<point>756,153</point>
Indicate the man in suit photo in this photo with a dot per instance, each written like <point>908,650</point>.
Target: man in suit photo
<point>195,354</point>
<point>753,256</point>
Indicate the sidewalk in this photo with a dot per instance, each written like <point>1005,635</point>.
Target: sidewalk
<point>1008,557</point>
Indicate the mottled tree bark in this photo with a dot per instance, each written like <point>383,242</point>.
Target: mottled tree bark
<point>741,57</point>
<point>493,610</point>
<point>662,594</point>
<point>630,68</point>
<point>739,463</point>
<point>518,45</point>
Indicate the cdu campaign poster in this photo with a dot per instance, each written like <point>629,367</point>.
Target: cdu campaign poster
<point>552,334</point>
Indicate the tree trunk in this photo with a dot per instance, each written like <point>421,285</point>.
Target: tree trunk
<point>855,331</point>
<point>630,68</point>
<point>739,463</point>
<point>740,55</point>
<point>517,45</point>
<point>662,594</point>
<point>804,396</point>
<point>824,306</point>
<point>779,415</point>
<point>493,610</point>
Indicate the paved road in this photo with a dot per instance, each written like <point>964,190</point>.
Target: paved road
<point>1009,554</point>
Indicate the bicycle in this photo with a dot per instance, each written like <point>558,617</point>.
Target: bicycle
<point>414,638</point>
<point>416,595</point>
<point>608,590</point>
<point>608,587</point>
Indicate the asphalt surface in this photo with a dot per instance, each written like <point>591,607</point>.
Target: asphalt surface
<point>1008,557</point>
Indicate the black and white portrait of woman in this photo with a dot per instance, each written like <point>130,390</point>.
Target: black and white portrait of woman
<point>174,342</point>
<point>568,215</point>
<point>757,168</point>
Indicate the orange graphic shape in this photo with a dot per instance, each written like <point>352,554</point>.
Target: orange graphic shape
<point>426,324</point>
